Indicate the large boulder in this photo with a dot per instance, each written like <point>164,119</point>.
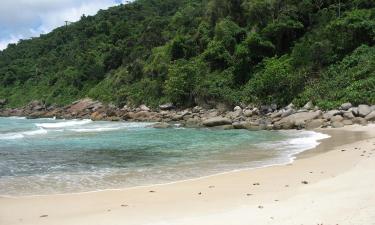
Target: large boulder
<point>364,110</point>
<point>298,120</point>
<point>370,116</point>
<point>84,104</point>
<point>315,124</point>
<point>328,115</point>
<point>289,111</point>
<point>217,121</point>
<point>246,125</point>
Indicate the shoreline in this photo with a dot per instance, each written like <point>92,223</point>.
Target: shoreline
<point>222,195</point>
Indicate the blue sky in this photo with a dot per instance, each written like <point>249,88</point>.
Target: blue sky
<point>22,19</point>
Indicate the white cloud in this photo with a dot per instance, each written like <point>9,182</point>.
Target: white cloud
<point>29,18</point>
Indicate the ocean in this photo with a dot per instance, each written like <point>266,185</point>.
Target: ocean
<point>48,156</point>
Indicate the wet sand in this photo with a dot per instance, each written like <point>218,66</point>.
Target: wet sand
<point>331,184</point>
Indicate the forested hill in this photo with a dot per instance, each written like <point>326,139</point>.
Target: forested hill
<point>201,52</point>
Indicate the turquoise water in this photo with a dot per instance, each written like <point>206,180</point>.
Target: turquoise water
<point>45,156</point>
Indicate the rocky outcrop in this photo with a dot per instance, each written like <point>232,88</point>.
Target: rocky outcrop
<point>240,117</point>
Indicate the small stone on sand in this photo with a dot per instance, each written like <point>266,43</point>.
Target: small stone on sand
<point>261,207</point>
<point>44,216</point>
<point>124,205</point>
<point>304,182</point>
<point>256,184</point>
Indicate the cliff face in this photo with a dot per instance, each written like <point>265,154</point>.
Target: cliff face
<point>206,53</point>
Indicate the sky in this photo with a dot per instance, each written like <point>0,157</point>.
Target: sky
<point>22,19</point>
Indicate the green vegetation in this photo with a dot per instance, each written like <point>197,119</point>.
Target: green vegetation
<point>201,52</point>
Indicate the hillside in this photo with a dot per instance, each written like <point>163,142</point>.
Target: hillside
<point>201,52</point>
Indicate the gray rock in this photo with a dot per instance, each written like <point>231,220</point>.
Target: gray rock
<point>363,110</point>
<point>287,112</point>
<point>315,124</point>
<point>337,118</point>
<point>237,108</point>
<point>328,115</point>
<point>373,107</point>
<point>348,115</point>
<point>360,120</point>
<point>290,106</point>
<point>144,108</point>
<point>167,106</point>
<point>346,106</point>
<point>370,116</point>
<point>297,120</point>
<point>217,121</point>
<point>247,112</point>
<point>308,106</point>
<point>354,110</point>
<point>337,124</point>
<point>276,114</point>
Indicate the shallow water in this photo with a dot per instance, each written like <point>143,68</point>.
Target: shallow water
<point>46,156</point>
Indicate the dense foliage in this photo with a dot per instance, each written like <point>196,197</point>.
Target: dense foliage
<point>201,52</point>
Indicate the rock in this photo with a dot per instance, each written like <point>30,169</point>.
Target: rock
<point>347,122</point>
<point>363,110</point>
<point>247,112</point>
<point>337,124</point>
<point>144,108</point>
<point>246,125</point>
<point>346,106</point>
<point>360,120</point>
<point>167,106</point>
<point>161,125</point>
<point>83,104</point>
<point>354,110</point>
<point>308,106</point>
<point>256,111</point>
<point>337,118</point>
<point>290,106</point>
<point>373,107</point>
<point>287,112</point>
<point>370,116</point>
<point>276,114</point>
<point>297,120</point>
<point>234,115</point>
<point>264,109</point>
<point>95,116</point>
<point>315,124</point>
<point>217,121</point>
<point>348,115</point>
<point>328,115</point>
<point>237,108</point>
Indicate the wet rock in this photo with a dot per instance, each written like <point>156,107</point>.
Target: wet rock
<point>217,121</point>
<point>161,125</point>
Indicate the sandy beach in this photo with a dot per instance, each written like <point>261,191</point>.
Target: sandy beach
<point>331,184</point>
